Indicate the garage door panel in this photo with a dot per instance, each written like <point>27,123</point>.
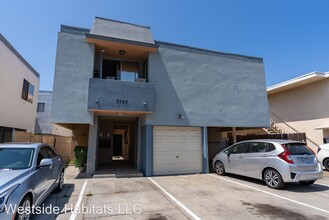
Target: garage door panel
<point>176,150</point>
<point>174,146</point>
<point>176,168</point>
<point>183,157</point>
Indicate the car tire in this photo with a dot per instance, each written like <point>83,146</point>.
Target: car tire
<point>219,168</point>
<point>273,179</point>
<point>59,186</point>
<point>26,203</point>
<point>307,183</point>
<point>326,164</point>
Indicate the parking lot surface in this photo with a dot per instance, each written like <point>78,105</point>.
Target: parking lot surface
<point>200,196</point>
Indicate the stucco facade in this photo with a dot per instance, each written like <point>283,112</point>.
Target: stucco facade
<point>43,124</point>
<point>175,92</point>
<point>15,112</point>
<point>300,105</point>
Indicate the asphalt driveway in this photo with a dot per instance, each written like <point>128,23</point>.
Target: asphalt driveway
<point>204,196</point>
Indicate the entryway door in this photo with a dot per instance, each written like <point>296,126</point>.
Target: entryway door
<point>176,150</point>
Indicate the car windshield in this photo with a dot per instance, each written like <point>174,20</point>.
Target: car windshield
<point>298,149</point>
<point>16,158</point>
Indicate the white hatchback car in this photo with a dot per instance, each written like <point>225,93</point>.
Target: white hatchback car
<point>323,155</point>
<point>274,161</point>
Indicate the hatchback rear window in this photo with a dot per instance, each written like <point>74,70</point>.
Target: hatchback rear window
<point>298,149</point>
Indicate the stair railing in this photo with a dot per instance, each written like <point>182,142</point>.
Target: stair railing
<point>289,126</point>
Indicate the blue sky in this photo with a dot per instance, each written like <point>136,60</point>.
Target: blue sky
<point>291,36</point>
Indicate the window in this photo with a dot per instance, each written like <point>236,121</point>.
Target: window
<point>122,70</point>
<point>271,147</point>
<point>239,148</point>
<point>298,149</point>
<point>16,158</point>
<point>43,153</point>
<point>41,107</point>
<point>129,71</point>
<point>258,147</point>
<point>27,91</point>
<point>51,153</point>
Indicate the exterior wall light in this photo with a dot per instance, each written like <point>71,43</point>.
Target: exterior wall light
<point>122,52</point>
<point>179,116</point>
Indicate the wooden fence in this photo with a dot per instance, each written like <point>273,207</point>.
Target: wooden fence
<point>63,145</point>
<point>291,136</point>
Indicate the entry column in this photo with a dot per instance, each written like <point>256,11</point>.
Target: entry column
<point>92,147</point>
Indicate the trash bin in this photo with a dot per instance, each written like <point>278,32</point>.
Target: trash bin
<point>80,156</point>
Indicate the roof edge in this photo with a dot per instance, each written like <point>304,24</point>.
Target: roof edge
<point>122,22</point>
<point>14,51</point>
<point>299,79</point>
<point>207,50</point>
<point>77,30</point>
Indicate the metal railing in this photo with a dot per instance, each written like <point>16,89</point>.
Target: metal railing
<point>292,128</point>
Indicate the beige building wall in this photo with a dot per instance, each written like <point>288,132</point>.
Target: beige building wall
<point>61,131</point>
<point>303,108</point>
<point>14,111</point>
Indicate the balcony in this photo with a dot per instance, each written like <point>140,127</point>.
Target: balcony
<point>120,96</point>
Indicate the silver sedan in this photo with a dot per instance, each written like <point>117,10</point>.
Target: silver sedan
<point>274,161</point>
<point>29,172</point>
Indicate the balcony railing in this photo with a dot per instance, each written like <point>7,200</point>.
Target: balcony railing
<point>116,95</point>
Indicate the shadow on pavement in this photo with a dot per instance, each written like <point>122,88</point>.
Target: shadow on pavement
<point>292,187</point>
<point>59,200</point>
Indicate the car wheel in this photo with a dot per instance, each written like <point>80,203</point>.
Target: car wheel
<point>25,209</point>
<point>326,164</point>
<point>273,179</point>
<point>219,168</point>
<point>60,183</point>
<point>307,183</point>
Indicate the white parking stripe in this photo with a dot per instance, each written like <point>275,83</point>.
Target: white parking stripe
<point>194,216</point>
<point>76,207</point>
<point>272,194</point>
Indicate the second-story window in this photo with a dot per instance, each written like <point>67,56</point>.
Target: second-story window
<point>123,70</point>
<point>41,107</point>
<point>27,91</point>
<point>129,71</point>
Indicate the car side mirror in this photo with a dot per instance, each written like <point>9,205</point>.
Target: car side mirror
<point>227,153</point>
<point>46,162</point>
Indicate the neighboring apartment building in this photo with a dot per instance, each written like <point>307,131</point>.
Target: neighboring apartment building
<point>19,85</point>
<point>301,105</point>
<point>158,106</point>
<point>43,124</point>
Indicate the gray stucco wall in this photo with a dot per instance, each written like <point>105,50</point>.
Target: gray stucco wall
<point>207,88</point>
<point>74,67</point>
<point>42,123</point>
<point>134,96</point>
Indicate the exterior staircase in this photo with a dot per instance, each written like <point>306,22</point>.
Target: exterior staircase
<point>273,129</point>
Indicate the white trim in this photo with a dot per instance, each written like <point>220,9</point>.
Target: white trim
<point>272,194</point>
<point>193,216</point>
<point>77,205</point>
<point>322,127</point>
<point>301,80</point>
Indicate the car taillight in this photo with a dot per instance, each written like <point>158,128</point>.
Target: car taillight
<point>285,155</point>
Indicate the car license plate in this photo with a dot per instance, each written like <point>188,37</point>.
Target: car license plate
<point>306,160</point>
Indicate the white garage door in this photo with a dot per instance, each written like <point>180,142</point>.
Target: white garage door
<point>176,150</point>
